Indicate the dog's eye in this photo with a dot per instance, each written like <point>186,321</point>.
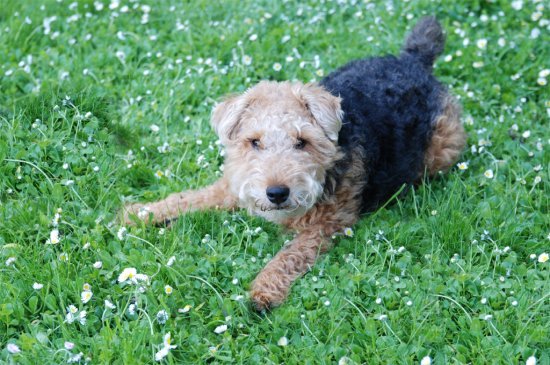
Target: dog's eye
<point>300,144</point>
<point>255,143</point>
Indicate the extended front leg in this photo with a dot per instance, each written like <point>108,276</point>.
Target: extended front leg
<point>271,286</point>
<point>216,195</point>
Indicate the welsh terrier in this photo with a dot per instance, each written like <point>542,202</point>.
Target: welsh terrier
<point>314,157</point>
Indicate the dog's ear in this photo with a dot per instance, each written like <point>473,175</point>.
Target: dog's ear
<point>226,116</point>
<point>324,107</point>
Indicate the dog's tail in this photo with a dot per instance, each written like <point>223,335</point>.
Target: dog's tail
<point>426,41</point>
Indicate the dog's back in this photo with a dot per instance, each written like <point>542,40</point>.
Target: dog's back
<point>393,111</point>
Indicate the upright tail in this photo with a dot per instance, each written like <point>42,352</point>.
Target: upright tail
<point>426,41</point>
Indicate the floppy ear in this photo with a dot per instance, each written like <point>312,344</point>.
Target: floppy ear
<point>226,117</point>
<point>324,107</point>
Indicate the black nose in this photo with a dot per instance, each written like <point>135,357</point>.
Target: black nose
<point>277,194</point>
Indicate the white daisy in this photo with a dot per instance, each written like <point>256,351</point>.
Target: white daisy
<point>283,341</point>
<point>127,274</point>
<point>121,234</point>
<point>247,60</point>
<point>462,166</point>
<point>185,309</point>
<point>482,43</point>
<point>220,329</point>
<point>168,290</point>
<point>13,348</point>
<point>82,317</point>
<point>348,232</point>
<point>426,360</point>
<point>54,237</point>
<point>85,296</point>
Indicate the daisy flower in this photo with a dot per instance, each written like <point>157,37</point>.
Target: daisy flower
<point>171,261</point>
<point>75,358</point>
<point>220,329</point>
<point>168,289</point>
<point>426,360</point>
<point>121,234</point>
<point>185,309</point>
<point>489,174</point>
<point>10,261</point>
<point>127,274</point>
<point>532,360</point>
<point>85,296</point>
<point>109,304</point>
<point>82,317</point>
<point>462,166</point>
<point>247,60</point>
<point>277,66</point>
<point>13,348</point>
<point>161,354</point>
<point>543,257</point>
<point>482,43</point>
<point>70,317</point>
<point>37,286</point>
<point>283,341</point>
<point>166,347</point>
<point>162,316</point>
<point>54,237</point>
<point>348,232</point>
<point>168,341</point>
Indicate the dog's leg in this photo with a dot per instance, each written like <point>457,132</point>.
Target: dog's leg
<point>216,195</point>
<point>271,286</point>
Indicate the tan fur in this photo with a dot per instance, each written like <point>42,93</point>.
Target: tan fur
<point>213,196</point>
<point>448,139</point>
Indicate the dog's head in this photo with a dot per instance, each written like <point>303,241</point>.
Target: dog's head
<point>281,139</point>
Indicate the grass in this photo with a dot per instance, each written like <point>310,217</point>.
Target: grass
<point>98,105</point>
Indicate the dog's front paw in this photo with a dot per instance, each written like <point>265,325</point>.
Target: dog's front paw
<point>131,211</point>
<point>264,295</point>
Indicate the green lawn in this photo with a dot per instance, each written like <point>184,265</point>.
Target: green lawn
<point>102,102</point>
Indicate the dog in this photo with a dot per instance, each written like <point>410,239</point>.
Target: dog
<point>314,157</point>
